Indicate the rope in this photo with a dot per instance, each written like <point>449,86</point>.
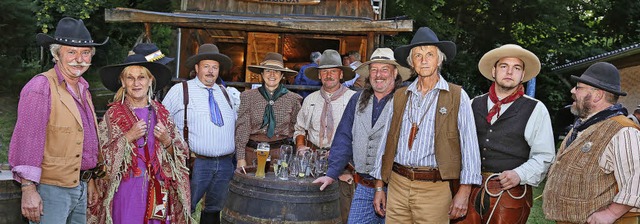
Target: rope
<point>499,195</point>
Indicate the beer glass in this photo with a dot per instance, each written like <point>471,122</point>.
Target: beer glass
<point>321,162</point>
<point>285,154</point>
<point>262,154</point>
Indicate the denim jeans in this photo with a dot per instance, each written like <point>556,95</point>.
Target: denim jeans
<point>362,210</point>
<point>211,176</point>
<point>62,204</point>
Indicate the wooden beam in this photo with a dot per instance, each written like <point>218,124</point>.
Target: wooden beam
<point>272,23</point>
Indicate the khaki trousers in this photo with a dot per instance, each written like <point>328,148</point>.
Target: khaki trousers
<point>417,201</point>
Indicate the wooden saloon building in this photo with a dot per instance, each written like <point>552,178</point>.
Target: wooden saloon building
<point>246,30</point>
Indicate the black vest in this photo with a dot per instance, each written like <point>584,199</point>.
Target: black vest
<point>502,144</point>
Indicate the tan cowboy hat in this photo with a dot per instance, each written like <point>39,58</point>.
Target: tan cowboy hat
<point>273,61</point>
<point>209,52</point>
<point>531,61</point>
<point>425,36</point>
<point>330,59</point>
<point>383,55</point>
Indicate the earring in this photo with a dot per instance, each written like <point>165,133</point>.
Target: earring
<point>150,94</point>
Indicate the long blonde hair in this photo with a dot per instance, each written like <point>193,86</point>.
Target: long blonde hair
<point>120,94</point>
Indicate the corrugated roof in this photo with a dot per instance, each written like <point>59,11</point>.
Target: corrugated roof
<point>607,56</point>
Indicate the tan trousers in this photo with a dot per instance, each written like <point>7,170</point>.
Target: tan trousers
<point>417,201</point>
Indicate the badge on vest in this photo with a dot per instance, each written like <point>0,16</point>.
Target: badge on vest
<point>586,147</point>
<point>443,110</point>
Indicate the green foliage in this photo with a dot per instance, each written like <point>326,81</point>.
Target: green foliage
<point>49,10</point>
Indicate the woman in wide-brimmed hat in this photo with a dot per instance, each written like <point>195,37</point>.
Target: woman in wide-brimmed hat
<point>146,177</point>
<point>268,113</point>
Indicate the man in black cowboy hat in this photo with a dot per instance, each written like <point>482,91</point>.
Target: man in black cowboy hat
<point>520,144</point>
<point>321,113</point>
<point>211,119</point>
<point>420,161</point>
<point>596,175</point>
<point>55,143</point>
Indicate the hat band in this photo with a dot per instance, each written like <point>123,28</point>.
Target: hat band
<point>380,58</point>
<point>154,56</point>
<point>272,63</point>
<point>74,40</point>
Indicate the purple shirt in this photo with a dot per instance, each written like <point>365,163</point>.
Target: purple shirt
<point>26,150</point>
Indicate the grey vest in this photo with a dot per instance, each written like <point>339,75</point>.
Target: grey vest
<point>366,140</point>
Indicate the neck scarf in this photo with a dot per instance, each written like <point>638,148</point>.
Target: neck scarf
<point>269,118</point>
<point>495,110</point>
<point>326,118</point>
<point>580,125</point>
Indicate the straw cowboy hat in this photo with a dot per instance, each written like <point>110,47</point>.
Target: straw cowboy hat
<point>209,52</point>
<point>330,59</point>
<point>152,53</point>
<point>602,75</point>
<point>425,36</point>
<point>70,32</point>
<point>273,61</point>
<point>110,75</point>
<point>383,55</point>
<point>530,60</point>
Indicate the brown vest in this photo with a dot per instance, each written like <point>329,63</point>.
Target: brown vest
<point>447,139</point>
<point>64,138</point>
<point>576,185</point>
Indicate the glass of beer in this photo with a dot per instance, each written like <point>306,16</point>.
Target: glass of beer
<point>262,154</point>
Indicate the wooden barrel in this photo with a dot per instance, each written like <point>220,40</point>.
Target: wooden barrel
<point>271,200</point>
<point>10,199</point>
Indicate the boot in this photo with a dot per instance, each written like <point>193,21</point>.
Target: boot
<point>210,218</point>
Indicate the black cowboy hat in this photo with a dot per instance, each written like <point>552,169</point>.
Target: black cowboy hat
<point>602,75</point>
<point>209,52</point>
<point>273,61</point>
<point>110,74</point>
<point>70,32</point>
<point>424,36</point>
<point>152,53</point>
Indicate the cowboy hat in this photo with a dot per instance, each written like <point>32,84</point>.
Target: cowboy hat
<point>209,52</point>
<point>273,61</point>
<point>152,53</point>
<point>330,59</point>
<point>530,60</point>
<point>383,55</point>
<point>70,32</point>
<point>425,36</point>
<point>110,74</point>
<point>602,75</point>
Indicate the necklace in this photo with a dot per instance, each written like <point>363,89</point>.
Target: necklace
<point>146,135</point>
<point>414,125</point>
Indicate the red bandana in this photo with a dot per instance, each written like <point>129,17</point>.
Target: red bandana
<point>495,110</point>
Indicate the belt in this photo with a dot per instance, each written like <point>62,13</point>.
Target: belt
<point>85,175</point>
<point>370,183</point>
<point>213,157</point>
<point>417,173</point>
<point>273,144</point>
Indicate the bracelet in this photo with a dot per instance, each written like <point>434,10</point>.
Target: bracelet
<point>27,184</point>
<point>378,189</point>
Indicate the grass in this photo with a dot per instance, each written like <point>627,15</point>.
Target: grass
<point>536,216</point>
<point>7,122</point>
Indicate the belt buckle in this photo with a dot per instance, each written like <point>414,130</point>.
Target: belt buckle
<point>412,174</point>
<point>85,176</point>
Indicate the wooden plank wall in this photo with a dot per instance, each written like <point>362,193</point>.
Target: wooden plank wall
<point>347,8</point>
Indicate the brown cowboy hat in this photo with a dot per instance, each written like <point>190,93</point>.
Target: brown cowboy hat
<point>209,52</point>
<point>110,74</point>
<point>383,55</point>
<point>330,59</point>
<point>425,36</point>
<point>530,60</point>
<point>273,61</point>
<point>70,32</point>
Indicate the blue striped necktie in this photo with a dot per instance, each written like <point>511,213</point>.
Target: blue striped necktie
<point>216,115</point>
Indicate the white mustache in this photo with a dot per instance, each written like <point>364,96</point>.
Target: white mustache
<point>83,64</point>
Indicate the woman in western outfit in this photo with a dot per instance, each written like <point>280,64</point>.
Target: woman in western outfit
<point>268,113</point>
<point>146,179</point>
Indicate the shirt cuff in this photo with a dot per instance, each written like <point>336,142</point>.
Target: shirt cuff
<point>467,177</point>
<point>626,199</point>
<point>31,173</point>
